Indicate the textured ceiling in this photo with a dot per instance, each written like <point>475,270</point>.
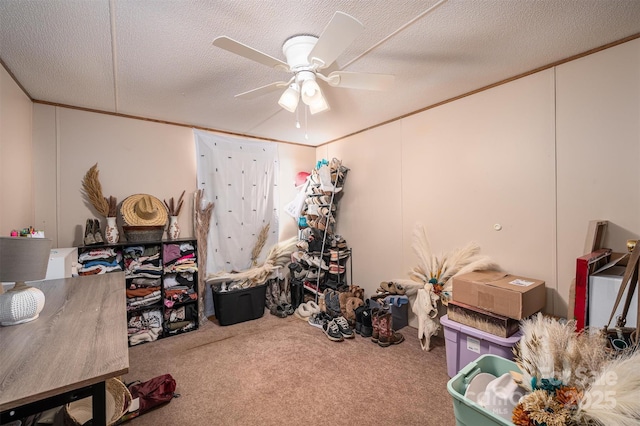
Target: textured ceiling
<point>154,59</point>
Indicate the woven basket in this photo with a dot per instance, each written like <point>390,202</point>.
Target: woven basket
<point>118,401</point>
<point>136,234</point>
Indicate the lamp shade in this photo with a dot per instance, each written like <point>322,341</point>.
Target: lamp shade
<point>290,97</point>
<point>318,105</point>
<point>22,259</point>
<point>313,97</point>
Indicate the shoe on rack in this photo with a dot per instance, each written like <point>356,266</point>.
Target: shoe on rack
<point>302,275</point>
<point>332,331</point>
<point>387,336</point>
<point>319,262</point>
<point>336,269</point>
<point>313,274</point>
<point>344,328</point>
<point>325,180</point>
<point>97,233</point>
<point>89,238</point>
<point>339,242</point>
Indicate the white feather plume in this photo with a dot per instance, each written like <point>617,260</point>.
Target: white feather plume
<point>456,259</point>
<point>613,397</point>
<point>477,263</point>
<point>422,249</point>
<point>278,257</point>
<point>551,349</point>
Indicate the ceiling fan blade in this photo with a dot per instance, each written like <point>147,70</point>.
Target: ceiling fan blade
<point>254,93</point>
<point>339,33</point>
<point>358,80</point>
<point>238,48</point>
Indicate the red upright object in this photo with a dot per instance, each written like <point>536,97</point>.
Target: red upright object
<point>583,270</point>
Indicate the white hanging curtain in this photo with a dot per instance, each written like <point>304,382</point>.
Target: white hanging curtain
<point>239,176</point>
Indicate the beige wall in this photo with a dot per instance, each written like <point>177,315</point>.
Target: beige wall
<point>541,156</point>
<point>598,155</point>
<point>133,156</point>
<point>503,156</point>
<point>16,168</point>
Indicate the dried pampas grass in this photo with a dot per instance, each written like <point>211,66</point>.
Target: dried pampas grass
<point>578,378</point>
<point>174,208</point>
<point>550,349</point>
<point>262,240</point>
<point>433,275</point>
<point>612,397</point>
<point>278,257</point>
<point>92,190</point>
<point>202,217</point>
<point>441,268</point>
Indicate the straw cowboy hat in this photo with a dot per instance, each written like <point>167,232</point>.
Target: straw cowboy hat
<point>143,210</point>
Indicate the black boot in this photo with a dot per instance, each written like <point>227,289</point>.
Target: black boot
<point>366,328</point>
<point>297,292</point>
<point>358,313</point>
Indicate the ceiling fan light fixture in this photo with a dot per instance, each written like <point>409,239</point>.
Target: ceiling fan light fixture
<point>318,104</point>
<point>310,88</point>
<point>290,97</point>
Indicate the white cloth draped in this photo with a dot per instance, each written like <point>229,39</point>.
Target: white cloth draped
<point>239,176</point>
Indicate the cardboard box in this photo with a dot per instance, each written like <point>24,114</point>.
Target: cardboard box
<point>486,321</point>
<point>501,293</point>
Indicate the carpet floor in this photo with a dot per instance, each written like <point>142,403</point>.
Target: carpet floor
<point>282,371</point>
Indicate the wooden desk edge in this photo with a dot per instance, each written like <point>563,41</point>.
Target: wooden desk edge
<point>63,390</point>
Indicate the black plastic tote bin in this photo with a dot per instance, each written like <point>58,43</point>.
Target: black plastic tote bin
<point>232,307</point>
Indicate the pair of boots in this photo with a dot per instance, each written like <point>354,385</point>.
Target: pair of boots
<point>92,232</point>
<point>364,325</point>
<point>296,286</point>
<point>383,333</point>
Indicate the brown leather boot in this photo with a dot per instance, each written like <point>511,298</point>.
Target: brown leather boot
<point>375,324</point>
<point>387,336</point>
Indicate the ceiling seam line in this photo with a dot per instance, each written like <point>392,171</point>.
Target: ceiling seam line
<point>402,28</point>
<point>114,66</point>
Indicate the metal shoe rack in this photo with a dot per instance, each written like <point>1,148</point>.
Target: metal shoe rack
<point>328,232</point>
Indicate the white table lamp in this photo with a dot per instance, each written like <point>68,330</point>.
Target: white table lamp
<point>22,259</point>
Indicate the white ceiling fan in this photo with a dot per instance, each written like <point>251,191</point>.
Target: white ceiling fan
<point>306,56</point>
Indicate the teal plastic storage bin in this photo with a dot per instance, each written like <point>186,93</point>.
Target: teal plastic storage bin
<point>467,412</point>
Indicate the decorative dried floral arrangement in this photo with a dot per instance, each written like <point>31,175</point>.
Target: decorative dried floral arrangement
<point>174,209</point>
<point>92,190</point>
<point>573,379</point>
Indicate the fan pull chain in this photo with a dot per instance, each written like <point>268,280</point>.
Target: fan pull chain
<point>297,118</point>
<point>306,124</point>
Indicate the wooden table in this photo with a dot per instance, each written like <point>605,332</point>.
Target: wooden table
<point>78,342</point>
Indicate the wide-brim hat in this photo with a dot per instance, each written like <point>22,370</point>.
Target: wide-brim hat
<point>143,210</point>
